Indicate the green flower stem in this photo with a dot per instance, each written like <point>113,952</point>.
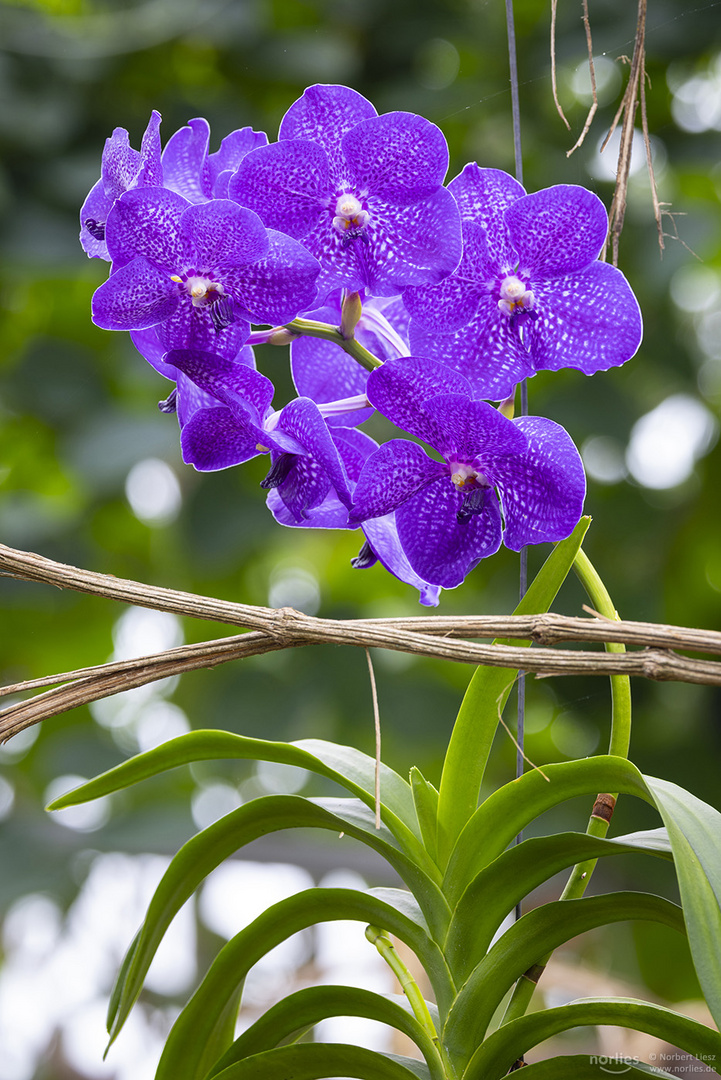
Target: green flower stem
<point>619,742</point>
<point>410,988</point>
<point>620,684</point>
<point>332,333</point>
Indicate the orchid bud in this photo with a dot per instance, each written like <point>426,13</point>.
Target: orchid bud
<point>350,315</point>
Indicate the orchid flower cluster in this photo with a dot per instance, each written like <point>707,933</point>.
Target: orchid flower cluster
<point>342,233</point>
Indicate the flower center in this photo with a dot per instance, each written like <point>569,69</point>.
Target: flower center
<point>515,298</point>
<point>349,214</point>
<point>201,289</point>
<point>204,292</point>
<point>466,477</point>
<point>472,485</point>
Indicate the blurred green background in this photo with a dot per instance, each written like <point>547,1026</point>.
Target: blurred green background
<point>82,442</point>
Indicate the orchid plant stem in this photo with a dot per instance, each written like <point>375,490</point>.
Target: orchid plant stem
<point>619,743</point>
<point>417,1002</point>
<point>349,345</point>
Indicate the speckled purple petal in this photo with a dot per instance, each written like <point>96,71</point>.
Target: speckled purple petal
<point>306,487</point>
<point>559,230</point>
<point>400,157</point>
<point>590,320</point>
<point>95,210</point>
<point>190,328</point>
<point>322,372</point>
<point>390,476</point>
<point>230,383</point>
<point>279,285</point>
<point>441,549</point>
<point>488,352</point>
<point>190,398</point>
<point>185,168</point>
<point>329,514</point>
<point>303,422</point>
<point>287,184</point>
<point>216,439</point>
<point>354,447</point>
<point>145,221</point>
<point>136,296</point>
<point>121,164</point>
<point>323,115</point>
<point>382,535</point>
<point>408,245</point>
<point>342,264</point>
<point>398,388</point>
<point>542,490</point>
<point>472,430</point>
<point>452,303</point>
<point>221,233</point>
<point>483,196</point>
<point>231,152</point>
<point>151,171</point>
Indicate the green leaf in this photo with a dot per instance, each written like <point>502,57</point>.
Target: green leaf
<point>488,690</point>
<point>204,852</point>
<point>183,1054</point>
<point>511,808</point>
<point>312,1061</point>
<point>493,1059</point>
<point>344,764</point>
<point>425,799</point>
<point>583,1067</point>
<point>305,1008</point>
<point>501,885</point>
<point>535,935</point>
<point>694,829</point>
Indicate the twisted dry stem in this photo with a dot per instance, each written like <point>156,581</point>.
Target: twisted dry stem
<point>275,629</point>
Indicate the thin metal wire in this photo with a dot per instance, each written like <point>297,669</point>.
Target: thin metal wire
<point>523,568</point>
<point>515,106</point>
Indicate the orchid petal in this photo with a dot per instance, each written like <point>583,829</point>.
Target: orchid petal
<point>136,296</point>
<point>439,547</point>
<point>542,490</point>
<point>559,230</point>
<point>391,476</point>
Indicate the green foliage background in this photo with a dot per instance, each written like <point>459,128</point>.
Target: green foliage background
<point>77,404</point>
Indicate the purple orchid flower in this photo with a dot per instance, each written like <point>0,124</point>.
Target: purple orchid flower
<point>447,512</point>
<point>195,174</point>
<point>228,419</point>
<point>325,373</point>
<point>122,169</point>
<point>364,193</point>
<point>197,274</point>
<point>529,293</point>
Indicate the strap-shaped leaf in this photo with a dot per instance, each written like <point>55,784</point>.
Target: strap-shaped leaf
<point>500,886</point>
<point>488,690</point>
<point>313,1061</point>
<point>347,766</point>
<point>494,1058</point>
<point>583,1067</point>
<point>183,1054</point>
<point>694,829</point>
<point>425,800</point>
<point>204,852</point>
<point>535,935</point>
<point>511,808</point>
<point>305,1008</point>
